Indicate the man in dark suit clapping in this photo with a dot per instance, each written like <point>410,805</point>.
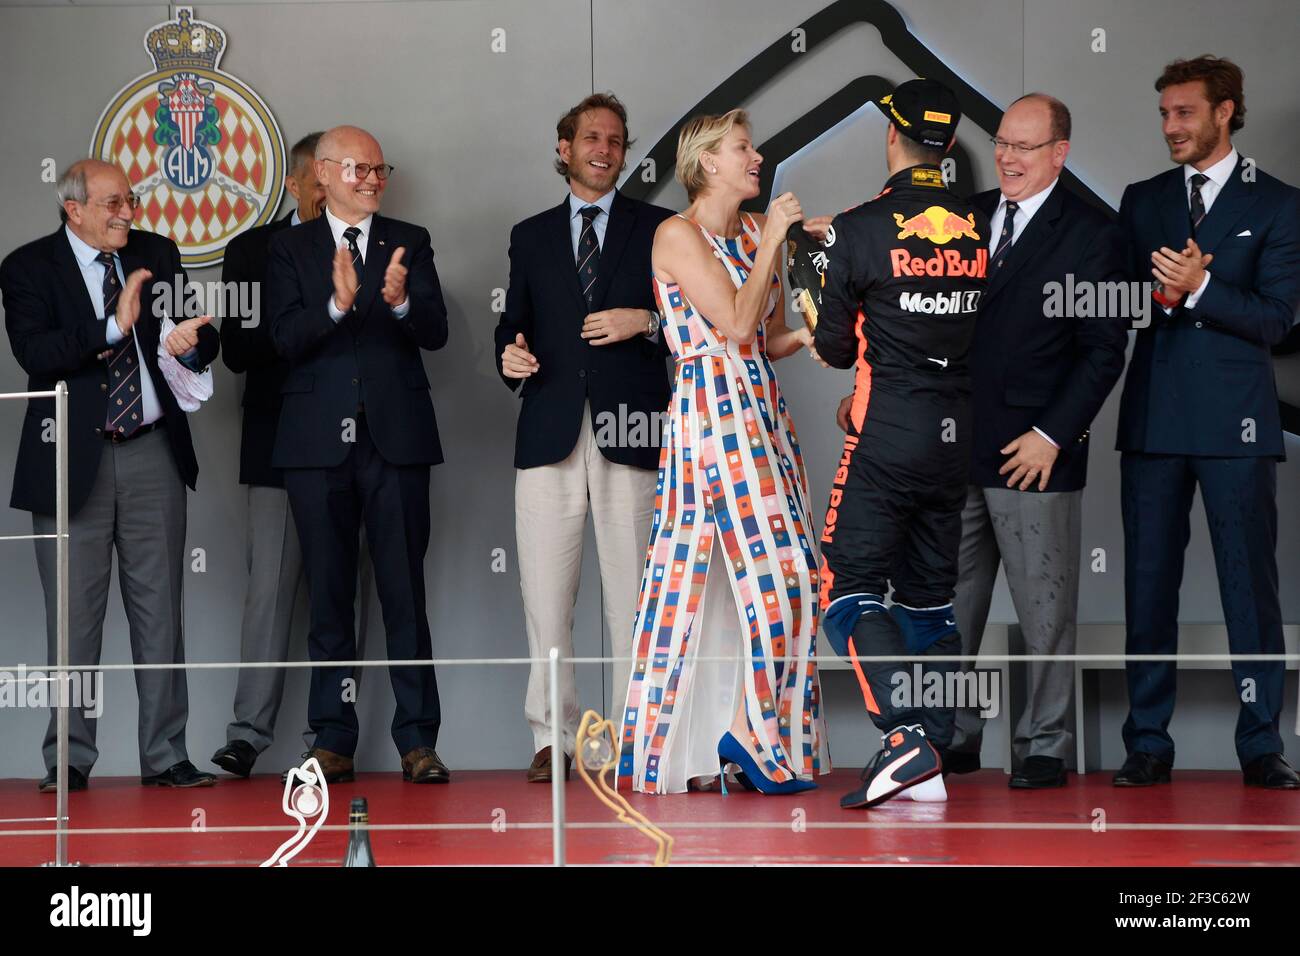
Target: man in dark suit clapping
<point>352,298</point>
<point>1199,408</point>
<point>1038,379</point>
<point>84,305</point>
<point>275,570</point>
<point>580,332</point>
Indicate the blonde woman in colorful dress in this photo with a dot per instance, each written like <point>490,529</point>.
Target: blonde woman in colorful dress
<point>731,568</point>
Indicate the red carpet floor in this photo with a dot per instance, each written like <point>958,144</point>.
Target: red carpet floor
<point>983,823</point>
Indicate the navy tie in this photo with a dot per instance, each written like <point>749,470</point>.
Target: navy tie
<point>588,252</point>
<point>124,396</point>
<point>1004,238</point>
<point>1197,206</point>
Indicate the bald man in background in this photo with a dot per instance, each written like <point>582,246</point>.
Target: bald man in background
<point>352,298</point>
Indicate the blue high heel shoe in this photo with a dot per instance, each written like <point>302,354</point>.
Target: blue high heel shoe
<point>731,753</point>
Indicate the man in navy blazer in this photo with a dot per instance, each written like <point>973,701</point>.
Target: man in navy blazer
<point>580,332</point>
<point>84,305</point>
<point>1041,369</point>
<point>353,298</point>
<point>1199,408</point>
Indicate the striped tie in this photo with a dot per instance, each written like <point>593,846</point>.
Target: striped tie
<point>124,408</point>
<point>1004,238</point>
<point>588,252</point>
<point>1197,206</point>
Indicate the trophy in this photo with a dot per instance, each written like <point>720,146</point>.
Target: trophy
<point>805,262</point>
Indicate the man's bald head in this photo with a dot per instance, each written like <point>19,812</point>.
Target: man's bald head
<point>339,153</point>
<point>96,198</point>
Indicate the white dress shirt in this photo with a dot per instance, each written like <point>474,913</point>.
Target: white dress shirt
<point>1025,212</point>
<point>92,273</point>
<point>1025,209</point>
<point>1218,178</point>
<point>337,227</point>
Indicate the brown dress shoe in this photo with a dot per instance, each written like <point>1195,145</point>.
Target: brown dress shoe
<point>422,765</point>
<point>336,767</point>
<point>539,771</point>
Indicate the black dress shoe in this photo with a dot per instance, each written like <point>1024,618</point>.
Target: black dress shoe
<point>1142,770</point>
<point>236,757</point>
<point>1039,773</point>
<point>1271,772</point>
<point>76,781</point>
<point>183,774</point>
<point>960,761</point>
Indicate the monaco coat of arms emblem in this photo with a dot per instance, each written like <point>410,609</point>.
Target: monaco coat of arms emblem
<point>200,149</point>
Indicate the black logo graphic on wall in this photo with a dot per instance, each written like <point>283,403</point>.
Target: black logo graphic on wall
<point>819,29</point>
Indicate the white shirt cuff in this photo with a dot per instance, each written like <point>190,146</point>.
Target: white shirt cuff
<point>335,312</point>
<point>401,310</point>
<point>1196,296</point>
<point>113,334</point>
<point>1047,437</point>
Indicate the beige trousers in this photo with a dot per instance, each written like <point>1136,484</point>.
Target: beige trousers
<point>551,503</point>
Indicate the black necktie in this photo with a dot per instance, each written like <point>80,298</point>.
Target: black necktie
<point>1197,206</point>
<point>588,252</point>
<point>124,397</point>
<point>1004,237</point>
<point>351,234</point>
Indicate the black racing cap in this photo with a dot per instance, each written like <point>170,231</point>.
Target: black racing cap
<point>925,111</point>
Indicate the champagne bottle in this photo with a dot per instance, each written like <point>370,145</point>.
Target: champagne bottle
<point>359,836</point>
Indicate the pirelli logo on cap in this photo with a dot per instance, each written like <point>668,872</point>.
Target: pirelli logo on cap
<point>932,116</point>
<point>898,117</point>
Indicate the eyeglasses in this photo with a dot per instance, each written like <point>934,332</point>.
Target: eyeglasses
<point>361,170</point>
<point>1018,148</point>
<point>114,203</point>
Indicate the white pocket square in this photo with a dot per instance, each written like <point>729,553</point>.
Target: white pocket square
<point>1243,233</point>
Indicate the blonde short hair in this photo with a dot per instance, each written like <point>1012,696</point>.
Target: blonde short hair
<point>703,134</point>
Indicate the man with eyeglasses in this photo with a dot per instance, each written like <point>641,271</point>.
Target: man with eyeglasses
<point>1038,378</point>
<point>79,307</point>
<point>352,298</point>
<point>275,571</point>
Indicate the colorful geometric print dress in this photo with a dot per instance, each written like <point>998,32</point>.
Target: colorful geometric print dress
<point>730,473</point>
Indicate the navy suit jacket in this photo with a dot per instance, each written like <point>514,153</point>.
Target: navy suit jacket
<point>546,304</point>
<point>247,350</point>
<point>369,358</point>
<point>1029,369</point>
<point>1200,377</point>
<point>55,335</point>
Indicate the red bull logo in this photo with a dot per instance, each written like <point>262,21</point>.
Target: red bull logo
<point>936,224</point>
<point>944,262</point>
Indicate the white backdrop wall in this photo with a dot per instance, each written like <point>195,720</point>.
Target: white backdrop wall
<point>471,132</point>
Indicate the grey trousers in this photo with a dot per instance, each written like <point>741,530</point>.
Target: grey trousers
<point>275,574</point>
<point>1035,536</point>
<point>136,508</point>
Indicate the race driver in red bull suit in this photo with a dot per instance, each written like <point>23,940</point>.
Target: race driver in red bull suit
<point>901,288</point>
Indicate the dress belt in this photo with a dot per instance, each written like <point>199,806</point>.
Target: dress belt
<point>718,351</point>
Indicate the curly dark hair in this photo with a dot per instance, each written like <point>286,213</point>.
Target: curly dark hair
<point>567,126</point>
<point>1223,80</point>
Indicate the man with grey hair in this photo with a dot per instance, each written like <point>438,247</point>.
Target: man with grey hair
<point>78,310</point>
<point>275,571</point>
<point>1037,382</point>
<point>353,298</point>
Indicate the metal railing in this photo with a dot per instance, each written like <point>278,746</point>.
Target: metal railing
<point>61,677</point>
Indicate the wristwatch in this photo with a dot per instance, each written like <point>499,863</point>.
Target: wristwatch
<point>652,323</point>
